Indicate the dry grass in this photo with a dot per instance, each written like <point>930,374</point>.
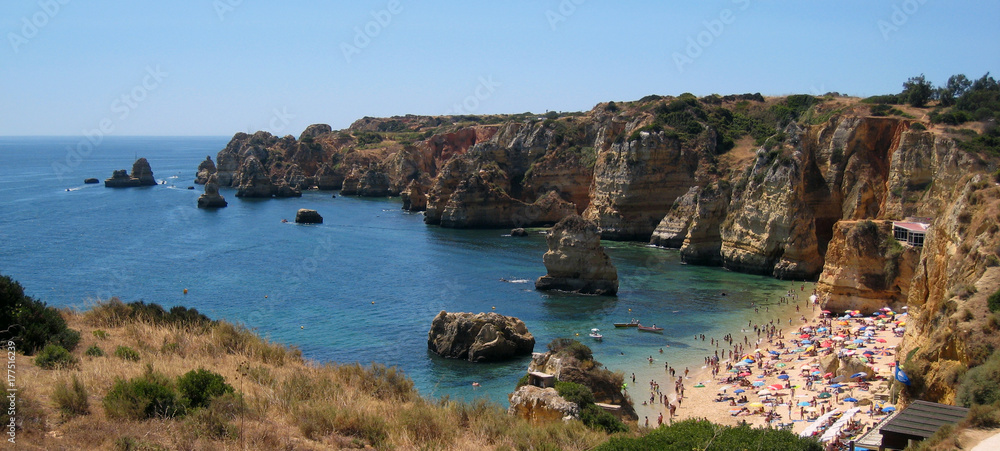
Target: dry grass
<point>282,402</point>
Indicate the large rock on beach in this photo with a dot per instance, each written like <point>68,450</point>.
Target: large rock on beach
<point>576,261</point>
<point>541,405</point>
<point>304,216</point>
<point>142,175</point>
<point>212,198</point>
<point>483,337</point>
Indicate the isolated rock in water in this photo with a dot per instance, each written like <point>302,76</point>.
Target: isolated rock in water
<point>518,232</point>
<point>212,198</point>
<point>141,175</point>
<point>541,405</point>
<point>305,216</point>
<point>576,262</point>
<point>91,181</point>
<point>205,169</point>
<point>483,337</point>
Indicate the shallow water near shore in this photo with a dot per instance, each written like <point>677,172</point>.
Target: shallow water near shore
<point>362,287</point>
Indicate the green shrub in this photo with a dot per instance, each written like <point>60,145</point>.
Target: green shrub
<point>126,353</point>
<point>569,346</point>
<point>148,396</point>
<point>981,385</point>
<point>71,400</point>
<point>993,302</point>
<point>55,356</point>
<point>916,126</point>
<point>319,421</point>
<point>575,393</point>
<point>703,435</point>
<point>94,351</point>
<point>599,419</point>
<point>129,443</point>
<point>100,334</point>
<point>198,387</point>
<point>983,417</point>
<point>32,324</point>
<point>115,313</point>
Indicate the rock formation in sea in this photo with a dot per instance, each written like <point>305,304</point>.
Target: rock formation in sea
<point>91,181</point>
<point>253,181</point>
<point>211,198</point>
<point>576,261</point>
<point>142,175</point>
<point>306,216</point>
<point>482,337</point>
<point>205,170</point>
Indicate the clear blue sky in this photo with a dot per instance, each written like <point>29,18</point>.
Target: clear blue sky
<point>281,65</point>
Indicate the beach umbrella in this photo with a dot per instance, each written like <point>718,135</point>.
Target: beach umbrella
<point>861,374</point>
<point>828,375</point>
<point>755,404</point>
<point>774,352</point>
<point>764,392</point>
<point>783,376</point>
<point>837,379</point>
<point>880,340</point>
<point>858,341</point>
<point>822,329</point>
<point>835,385</point>
<point>850,400</point>
<point>892,363</point>
<point>804,404</point>
<point>775,387</point>
<point>868,352</point>
<point>824,395</point>
<point>741,363</point>
<point>739,390</point>
<point>888,409</point>
<point>758,383</point>
<point>780,365</point>
<point>760,376</point>
<point>806,342</point>
<point>744,374</point>
<point>816,373</point>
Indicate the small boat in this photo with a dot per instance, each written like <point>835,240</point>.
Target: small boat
<point>653,328</point>
<point>633,323</point>
<point>596,334</point>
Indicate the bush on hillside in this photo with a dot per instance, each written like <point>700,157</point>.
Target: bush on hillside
<point>71,399</point>
<point>199,387</point>
<point>54,357</point>
<point>126,353</point>
<point>147,396</point>
<point>571,347</point>
<point>94,351</point>
<point>703,435</point>
<point>981,385</point>
<point>32,324</point>
<point>115,313</point>
<point>993,302</point>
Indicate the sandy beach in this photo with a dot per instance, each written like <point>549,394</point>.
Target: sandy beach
<point>765,374</point>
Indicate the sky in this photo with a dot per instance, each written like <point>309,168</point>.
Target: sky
<point>217,67</point>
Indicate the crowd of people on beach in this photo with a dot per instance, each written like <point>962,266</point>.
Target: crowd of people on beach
<point>771,350</point>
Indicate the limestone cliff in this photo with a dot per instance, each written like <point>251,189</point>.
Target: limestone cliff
<point>866,268</point>
<point>541,405</point>
<point>575,261</point>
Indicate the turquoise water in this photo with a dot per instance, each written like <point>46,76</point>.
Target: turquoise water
<point>313,286</point>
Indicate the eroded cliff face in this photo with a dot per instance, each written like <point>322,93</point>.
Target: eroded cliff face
<point>866,268</point>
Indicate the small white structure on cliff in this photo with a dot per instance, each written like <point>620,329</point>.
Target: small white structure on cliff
<point>911,233</point>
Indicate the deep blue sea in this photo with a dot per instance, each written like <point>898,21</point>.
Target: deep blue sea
<point>362,287</point>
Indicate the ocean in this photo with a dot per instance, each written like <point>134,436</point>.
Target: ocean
<point>363,286</point>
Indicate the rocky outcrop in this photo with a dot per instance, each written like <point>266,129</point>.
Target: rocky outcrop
<point>636,182</point>
<point>205,169</point>
<point>373,183</point>
<point>483,337</point>
<point>211,198</point>
<point>866,268</point>
<point>328,178</point>
<point>518,232</point>
<point>541,405</point>
<point>313,131</point>
<point>306,216</point>
<point>576,261</point>
<point>91,181</point>
<point>253,181</point>
<point>414,197</point>
<point>571,361</point>
<point>673,228</point>
<point>703,243</point>
<point>142,175</point>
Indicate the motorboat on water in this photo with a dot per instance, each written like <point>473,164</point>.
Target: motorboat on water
<point>633,323</point>
<point>596,334</point>
<point>653,329</point>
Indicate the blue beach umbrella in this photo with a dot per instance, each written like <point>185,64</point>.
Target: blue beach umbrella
<point>783,376</point>
<point>889,409</point>
<point>850,400</point>
<point>739,390</point>
<point>804,403</point>
<point>758,383</point>
<point>835,385</point>
<point>861,374</point>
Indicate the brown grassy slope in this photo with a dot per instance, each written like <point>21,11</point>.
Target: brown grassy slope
<point>290,403</point>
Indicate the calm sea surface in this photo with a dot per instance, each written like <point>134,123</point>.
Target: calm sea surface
<point>362,287</point>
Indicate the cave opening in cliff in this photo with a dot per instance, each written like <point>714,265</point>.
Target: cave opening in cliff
<point>824,233</point>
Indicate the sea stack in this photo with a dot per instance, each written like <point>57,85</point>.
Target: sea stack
<point>205,169</point>
<point>212,198</point>
<point>142,175</point>
<point>483,337</point>
<point>576,261</point>
<point>304,216</point>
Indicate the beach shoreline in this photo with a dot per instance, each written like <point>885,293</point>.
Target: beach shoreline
<point>702,389</point>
